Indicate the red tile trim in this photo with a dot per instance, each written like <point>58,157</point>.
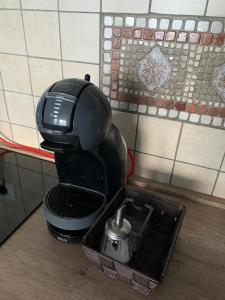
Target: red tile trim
<point>207,39</point>
<point>180,106</point>
<point>168,104</point>
<point>116,54</point>
<point>170,36</point>
<point>137,33</point>
<point>219,39</point>
<point>148,34</point>
<point>194,37</point>
<point>159,35</point>
<point>117,32</point>
<point>127,32</point>
<point>116,43</point>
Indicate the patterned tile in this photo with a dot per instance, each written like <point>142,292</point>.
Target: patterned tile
<point>164,66</point>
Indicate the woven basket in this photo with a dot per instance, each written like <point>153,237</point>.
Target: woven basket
<point>132,275</point>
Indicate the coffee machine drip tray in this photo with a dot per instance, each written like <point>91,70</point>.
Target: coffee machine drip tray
<point>67,206</point>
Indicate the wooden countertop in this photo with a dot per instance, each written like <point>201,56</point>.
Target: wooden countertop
<point>34,265</point>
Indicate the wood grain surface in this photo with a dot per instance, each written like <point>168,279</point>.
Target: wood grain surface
<point>34,265</point>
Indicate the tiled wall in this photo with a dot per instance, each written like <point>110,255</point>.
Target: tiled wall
<point>174,122</point>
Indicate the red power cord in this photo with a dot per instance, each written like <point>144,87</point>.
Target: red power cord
<point>50,155</point>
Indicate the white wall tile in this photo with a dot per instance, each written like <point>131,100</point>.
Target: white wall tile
<point>193,178</point>
<point>223,166</point>
<point>20,109</point>
<point>3,111</point>
<point>44,73</point>
<point>80,5</point>
<point>9,4</point>
<point>125,6</point>
<point>49,168</point>
<point>25,136</point>
<point>127,123</point>
<point>31,181</point>
<point>78,70</point>
<point>201,146</point>
<point>29,163</point>
<point>15,73</point>
<point>40,4</point>
<point>216,8</point>
<point>42,33</point>
<point>80,37</point>
<point>153,167</point>
<point>178,7</point>
<point>220,186</point>
<point>11,33</point>
<point>157,136</point>
<point>5,129</point>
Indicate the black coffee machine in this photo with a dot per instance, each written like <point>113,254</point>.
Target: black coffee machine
<point>75,120</point>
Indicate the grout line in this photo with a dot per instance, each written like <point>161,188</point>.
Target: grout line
<point>206,7</point>
<point>21,93</point>
<point>20,182</point>
<point>177,147</point>
<point>51,10</point>
<point>28,63</point>
<point>50,58</point>
<point>6,106</point>
<point>136,134</point>
<point>149,6</point>
<point>117,13</point>
<point>179,161</point>
<point>101,19</point>
<point>60,39</point>
<point>218,173</point>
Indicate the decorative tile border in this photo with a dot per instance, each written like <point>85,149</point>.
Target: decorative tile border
<point>166,67</point>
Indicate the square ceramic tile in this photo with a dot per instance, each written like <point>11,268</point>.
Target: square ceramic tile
<point>80,37</point>
<point>25,136</point>
<point>125,6</point>
<point>153,167</point>
<point>20,109</point>
<point>10,158</point>
<point>40,4</point>
<point>31,201</point>
<point>220,186</point>
<point>202,146</point>
<point>49,168</point>
<point>9,4</point>
<point>11,174</point>
<point>177,7</point>
<point>79,5</point>
<point>127,123</point>
<point>31,181</point>
<point>3,110</point>
<point>216,8</point>
<point>193,178</point>
<point>11,33</point>
<point>78,70</point>
<point>44,73</point>
<point>157,136</point>
<point>42,33</point>
<point>49,181</point>
<point>5,129</point>
<point>29,163</point>
<point>15,73</point>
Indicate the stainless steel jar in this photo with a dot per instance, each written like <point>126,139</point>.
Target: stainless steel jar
<point>116,242</point>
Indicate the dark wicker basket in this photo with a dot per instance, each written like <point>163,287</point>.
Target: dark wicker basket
<point>149,264</point>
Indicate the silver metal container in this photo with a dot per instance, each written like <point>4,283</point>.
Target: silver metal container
<point>116,242</point>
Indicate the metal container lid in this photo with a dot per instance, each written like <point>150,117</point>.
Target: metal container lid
<point>115,232</point>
